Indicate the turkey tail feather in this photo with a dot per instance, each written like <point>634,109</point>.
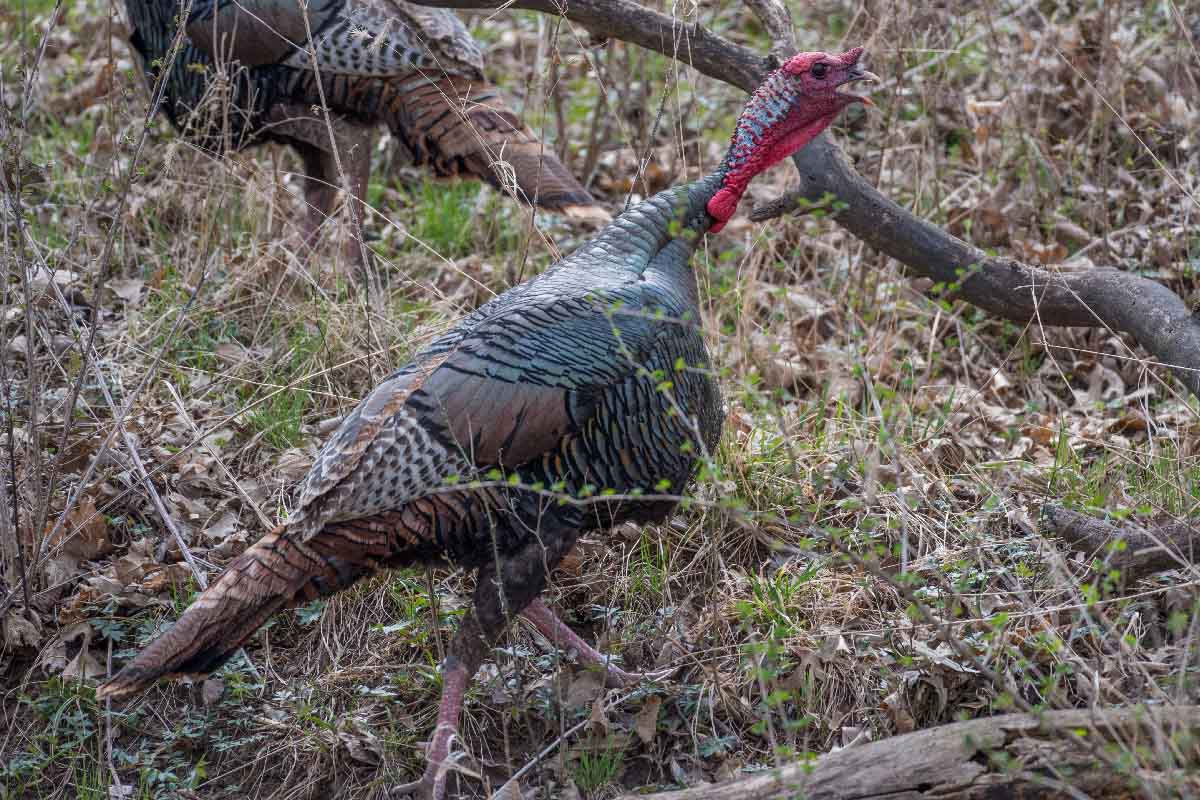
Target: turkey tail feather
<point>459,127</point>
<point>277,572</point>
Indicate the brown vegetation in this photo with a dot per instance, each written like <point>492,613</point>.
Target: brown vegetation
<point>901,529</point>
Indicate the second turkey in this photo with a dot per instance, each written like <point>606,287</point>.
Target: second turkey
<point>252,71</point>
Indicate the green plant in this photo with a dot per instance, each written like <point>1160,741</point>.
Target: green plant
<point>598,767</point>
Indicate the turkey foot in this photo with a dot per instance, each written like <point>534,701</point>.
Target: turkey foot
<point>554,629</point>
<point>432,784</point>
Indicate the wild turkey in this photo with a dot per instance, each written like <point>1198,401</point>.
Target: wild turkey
<point>243,75</point>
<point>590,377</point>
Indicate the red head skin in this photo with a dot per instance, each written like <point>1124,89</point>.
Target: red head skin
<point>794,104</point>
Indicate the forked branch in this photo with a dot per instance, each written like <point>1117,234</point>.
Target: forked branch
<point>1154,315</point>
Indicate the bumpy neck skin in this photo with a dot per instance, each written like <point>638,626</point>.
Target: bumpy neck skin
<point>791,107</point>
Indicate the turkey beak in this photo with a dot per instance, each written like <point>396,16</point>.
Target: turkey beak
<point>859,74</point>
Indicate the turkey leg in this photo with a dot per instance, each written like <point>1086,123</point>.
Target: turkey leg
<point>502,591</point>
<point>554,629</point>
<point>296,125</point>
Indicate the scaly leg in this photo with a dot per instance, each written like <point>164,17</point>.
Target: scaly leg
<point>296,125</point>
<point>520,578</point>
<point>554,629</point>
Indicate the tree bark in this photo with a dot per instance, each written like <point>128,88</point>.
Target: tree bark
<point>1111,754</point>
<point>1149,311</point>
<point>1146,551</point>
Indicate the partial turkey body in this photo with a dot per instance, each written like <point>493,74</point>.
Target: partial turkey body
<point>592,376</point>
<point>243,75</point>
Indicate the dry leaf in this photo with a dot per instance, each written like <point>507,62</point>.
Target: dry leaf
<point>172,576</point>
<point>897,708</point>
<point>88,536</point>
<point>598,720</point>
<point>211,690</point>
<point>586,685</point>
<point>130,568</point>
<point>60,571</point>
<point>361,744</point>
<point>128,289</point>
<point>646,721</point>
<point>21,631</point>
<point>63,277</point>
<point>83,667</point>
<point>1039,433</point>
<point>1132,421</point>
<point>220,530</point>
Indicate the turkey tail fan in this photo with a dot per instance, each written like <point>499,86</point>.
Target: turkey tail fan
<point>277,572</point>
<point>457,127</point>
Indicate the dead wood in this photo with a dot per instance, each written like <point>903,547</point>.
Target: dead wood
<point>1154,315</point>
<point>1110,754</point>
<point>1135,551</point>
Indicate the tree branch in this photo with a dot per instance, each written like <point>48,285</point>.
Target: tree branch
<point>1155,315</point>
<point>776,18</point>
<point>1152,313</point>
<point>1043,755</point>
<point>710,54</point>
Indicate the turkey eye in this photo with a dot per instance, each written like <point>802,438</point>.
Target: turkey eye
<point>818,70</point>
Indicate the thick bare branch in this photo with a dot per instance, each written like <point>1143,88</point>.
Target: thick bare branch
<point>777,20</point>
<point>1155,315</point>
<point>713,55</point>
<point>1151,312</point>
<point>1145,551</point>
<point>1018,755</point>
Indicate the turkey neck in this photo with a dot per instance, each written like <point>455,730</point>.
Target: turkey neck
<point>678,214</point>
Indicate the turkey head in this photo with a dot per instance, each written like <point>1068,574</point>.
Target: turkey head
<point>792,106</point>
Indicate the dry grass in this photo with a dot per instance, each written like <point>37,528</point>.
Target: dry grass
<point>882,446</point>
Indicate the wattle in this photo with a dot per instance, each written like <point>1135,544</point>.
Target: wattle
<point>722,206</point>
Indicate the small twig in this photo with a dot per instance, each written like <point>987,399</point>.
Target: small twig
<point>798,207</point>
<point>5,517</point>
<point>435,616</point>
<point>108,732</point>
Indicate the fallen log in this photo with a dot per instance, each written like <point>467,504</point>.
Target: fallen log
<point>1141,552</point>
<point>1103,754</point>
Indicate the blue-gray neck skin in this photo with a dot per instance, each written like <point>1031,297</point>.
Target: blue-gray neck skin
<point>675,213</point>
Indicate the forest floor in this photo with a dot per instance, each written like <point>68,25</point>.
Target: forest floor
<point>867,414</point>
